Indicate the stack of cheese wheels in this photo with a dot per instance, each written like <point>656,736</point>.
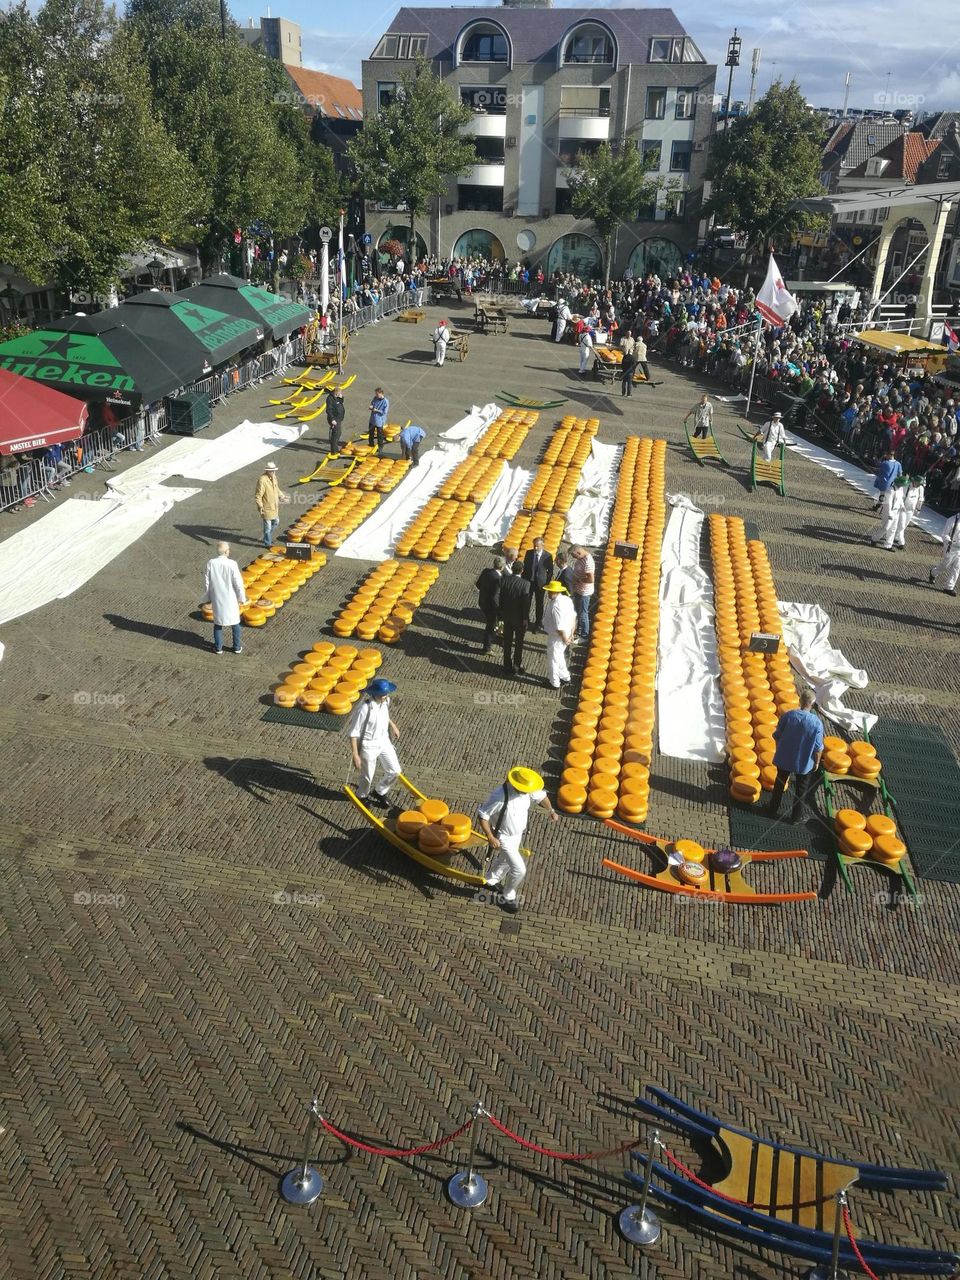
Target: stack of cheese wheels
<point>361,447</point>
<point>864,762</point>
<point>432,535</point>
<point>334,518</point>
<point>270,581</point>
<point>433,837</point>
<point>852,835</point>
<point>539,524</point>
<point>757,688</point>
<point>607,766</point>
<point>458,827</point>
<point>836,760</point>
<point>327,677</point>
<point>888,847</point>
<point>505,434</point>
<point>384,603</point>
<point>473,479</point>
<point>380,474</point>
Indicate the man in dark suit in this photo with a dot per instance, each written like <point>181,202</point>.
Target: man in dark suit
<point>336,412</point>
<point>514,613</point>
<point>488,588</point>
<point>538,571</point>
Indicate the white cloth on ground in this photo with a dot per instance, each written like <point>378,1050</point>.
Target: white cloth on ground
<point>806,631</point>
<point>223,589</point>
<point>495,514</point>
<point>589,516</point>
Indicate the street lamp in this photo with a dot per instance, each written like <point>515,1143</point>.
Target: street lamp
<point>155,267</point>
<point>733,60</point>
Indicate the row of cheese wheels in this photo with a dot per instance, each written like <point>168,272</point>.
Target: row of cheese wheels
<point>571,440</point>
<point>857,758</point>
<point>434,828</point>
<point>432,535</point>
<point>607,765</point>
<point>331,521</point>
<point>505,434</point>
<point>269,581</point>
<point>380,474</point>
<point>757,688</point>
<point>526,527</point>
<point>385,601</point>
<point>328,677</point>
<point>609,355</point>
<point>873,836</point>
<point>473,479</point>
<point>553,488</point>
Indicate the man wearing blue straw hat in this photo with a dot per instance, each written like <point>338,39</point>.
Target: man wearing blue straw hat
<point>503,820</point>
<point>371,730</point>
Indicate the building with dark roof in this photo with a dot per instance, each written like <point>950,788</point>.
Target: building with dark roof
<point>546,85</point>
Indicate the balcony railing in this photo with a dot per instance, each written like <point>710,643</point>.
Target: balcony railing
<point>581,113</point>
<point>606,57</point>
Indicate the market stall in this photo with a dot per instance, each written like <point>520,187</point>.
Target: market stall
<point>276,315</point>
<point>33,416</point>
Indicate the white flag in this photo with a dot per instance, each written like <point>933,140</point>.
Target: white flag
<point>775,302</point>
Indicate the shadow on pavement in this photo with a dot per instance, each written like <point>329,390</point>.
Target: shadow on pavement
<point>189,639</point>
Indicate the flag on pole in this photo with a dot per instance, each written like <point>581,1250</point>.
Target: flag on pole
<point>775,302</point>
<point>341,262</point>
<point>952,340</point>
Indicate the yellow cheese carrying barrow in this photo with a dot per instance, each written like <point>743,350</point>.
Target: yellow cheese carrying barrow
<point>473,853</point>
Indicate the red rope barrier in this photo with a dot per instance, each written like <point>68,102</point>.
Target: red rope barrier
<point>855,1247</point>
<point>388,1151</point>
<point>558,1155</point>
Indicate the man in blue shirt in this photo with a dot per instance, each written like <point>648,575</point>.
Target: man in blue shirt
<point>799,739</point>
<point>379,408</point>
<point>888,470</point>
<point>410,438</point>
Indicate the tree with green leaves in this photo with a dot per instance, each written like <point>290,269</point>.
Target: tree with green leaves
<point>409,151</point>
<point>609,186</point>
<point>762,162</point>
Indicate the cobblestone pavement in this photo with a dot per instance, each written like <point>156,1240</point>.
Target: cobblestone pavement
<point>161,1033</point>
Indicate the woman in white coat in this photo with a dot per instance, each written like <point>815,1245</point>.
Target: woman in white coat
<point>224,592</point>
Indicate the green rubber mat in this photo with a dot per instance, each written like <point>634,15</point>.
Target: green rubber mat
<point>923,777</point>
<point>298,719</point>
<point>751,829</point>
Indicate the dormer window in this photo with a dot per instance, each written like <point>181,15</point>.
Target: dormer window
<point>484,42</point>
<point>876,166</point>
<point>588,43</point>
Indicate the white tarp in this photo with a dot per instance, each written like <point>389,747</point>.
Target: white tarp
<point>690,720</point>
<point>375,538</point>
<point>209,459</point>
<point>589,516</point>
<point>806,630</point>
<point>56,555</point>
<point>495,514</point>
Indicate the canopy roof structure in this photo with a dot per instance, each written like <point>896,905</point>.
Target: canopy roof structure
<point>898,344</point>
<point>93,366</point>
<point>33,416</point>
<point>278,316</point>
<point>900,197</point>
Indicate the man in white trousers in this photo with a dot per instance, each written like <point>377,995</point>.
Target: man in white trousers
<point>586,351</point>
<point>503,820</point>
<point>560,325</point>
<point>441,336</point>
<point>913,496</point>
<point>371,729</point>
<point>560,624</point>
<point>891,510</point>
<point>948,570</point>
<point>771,436</point>
<point>224,591</point>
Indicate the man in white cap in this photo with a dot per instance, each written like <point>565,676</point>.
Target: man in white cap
<point>948,570</point>
<point>268,497</point>
<point>503,820</point>
<point>224,591</point>
<point>370,731</point>
<point>441,336</point>
<point>771,436</point>
<point>560,624</point>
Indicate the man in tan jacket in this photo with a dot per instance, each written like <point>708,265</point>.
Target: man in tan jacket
<point>268,497</point>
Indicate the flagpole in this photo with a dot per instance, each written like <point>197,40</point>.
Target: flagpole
<point>753,366</point>
<point>340,297</point>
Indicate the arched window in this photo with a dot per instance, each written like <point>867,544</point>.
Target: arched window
<point>576,255</point>
<point>401,232</point>
<point>658,255</point>
<point>479,244</point>
<point>589,42</point>
<point>484,42</point>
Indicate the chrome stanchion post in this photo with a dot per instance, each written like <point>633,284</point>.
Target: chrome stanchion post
<point>638,1223</point>
<point>833,1272</point>
<point>469,1190</point>
<point>304,1184</point>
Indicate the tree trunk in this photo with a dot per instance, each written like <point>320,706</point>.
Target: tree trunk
<point>609,262</point>
<point>412,246</point>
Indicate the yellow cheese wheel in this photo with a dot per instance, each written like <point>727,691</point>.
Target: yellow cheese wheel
<point>690,849</point>
<point>432,839</point>
<point>434,810</point>
<point>409,822</point>
<point>849,818</point>
<point>878,824</point>
<point>456,825</point>
<point>855,841</point>
<point>571,797</point>
<point>834,744</point>
<point>860,748</point>
<point>632,808</point>
<point>865,767</point>
<point>768,776</point>
<point>601,802</point>
<point>836,762</point>
<point>746,789</point>
<point>285,697</point>
<point>337,704</point>
<point>692,873</point>
<point>888,849</point>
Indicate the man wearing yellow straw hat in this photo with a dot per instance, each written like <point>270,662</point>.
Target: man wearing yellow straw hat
<point>503,820</point>
<point>560,623</point>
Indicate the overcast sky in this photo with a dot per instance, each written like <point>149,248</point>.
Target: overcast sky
<point>814,41</point>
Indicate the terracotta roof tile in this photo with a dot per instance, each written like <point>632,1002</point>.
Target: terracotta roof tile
<point>331,96</point>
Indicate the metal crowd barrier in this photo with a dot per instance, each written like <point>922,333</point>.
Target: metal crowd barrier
<point>390,305</point>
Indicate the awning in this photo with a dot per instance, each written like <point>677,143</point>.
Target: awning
<point>890,197</point>
<point>203,337</point>
<point>898,344</point>
<point>236,297</point>
<point>33,416</point>
<point>93,366</point>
